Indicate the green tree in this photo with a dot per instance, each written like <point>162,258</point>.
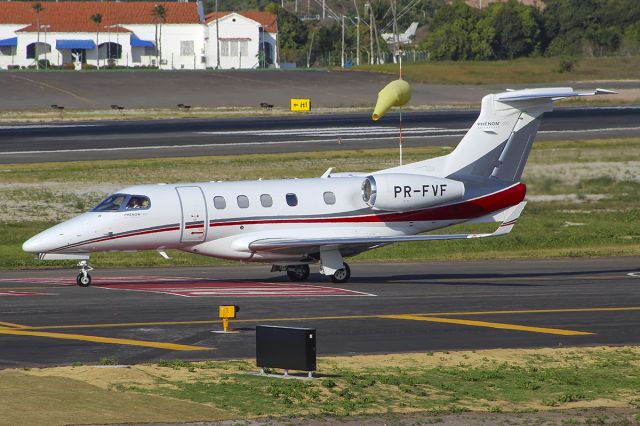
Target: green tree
<point>37,7</point>
<point>517,29</point>
<point>159,13</point>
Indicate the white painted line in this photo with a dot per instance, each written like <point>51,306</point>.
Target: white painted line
<point>48,126</point>
<point>634,274</point>
<point>294,142</point>
<point>207,145</point>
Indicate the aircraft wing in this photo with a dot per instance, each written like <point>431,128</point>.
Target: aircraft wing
<point>278,244</point>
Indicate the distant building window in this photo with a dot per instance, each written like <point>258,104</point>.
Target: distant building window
<point>243,201</point>
<point>329,197</point>
<point>292,200</point>
<point>234,48</point>
<point>224,47</point>
<point>186,48</point>
<point>219,202</point>
<point>266,200</point>
<point>7,50</point>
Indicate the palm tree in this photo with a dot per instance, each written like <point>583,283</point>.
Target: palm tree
<point>97,19</point>
<point>38,8</point>
<point>159,13</point>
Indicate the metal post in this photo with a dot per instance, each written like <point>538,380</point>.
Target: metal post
<point>342,53</point>
<point>45,42</point>
<point>357,33</point>
<point>218,36</point>
<point>324,13</point>
<point>370,30</point>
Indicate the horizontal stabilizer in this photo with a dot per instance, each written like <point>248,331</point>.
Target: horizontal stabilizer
<point>274,244</point>
<point>553,93</point>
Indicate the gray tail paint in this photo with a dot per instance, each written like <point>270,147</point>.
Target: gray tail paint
<point>498,144</point>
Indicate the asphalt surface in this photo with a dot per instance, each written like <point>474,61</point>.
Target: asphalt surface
<point>385,308</point>
<point>147,139</point>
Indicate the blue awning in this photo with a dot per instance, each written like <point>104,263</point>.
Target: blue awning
<point>9,42</point>
<point>136,42</point>
<point>75,44</point>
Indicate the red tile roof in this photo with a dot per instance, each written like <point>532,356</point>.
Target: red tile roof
<point>74,16</point>
<point>268,20</point>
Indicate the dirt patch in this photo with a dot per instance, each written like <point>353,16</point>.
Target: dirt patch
<point>572,173</point>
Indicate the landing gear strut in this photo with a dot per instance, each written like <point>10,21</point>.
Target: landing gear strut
<point>341,275</point>
<point>84,279</point>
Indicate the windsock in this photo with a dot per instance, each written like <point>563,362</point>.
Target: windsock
<point>396,93</point>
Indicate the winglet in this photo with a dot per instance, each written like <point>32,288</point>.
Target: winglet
<point>507,224</point>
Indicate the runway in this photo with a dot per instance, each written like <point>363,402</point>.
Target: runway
<point>148,139</point>
<point>134,316</point>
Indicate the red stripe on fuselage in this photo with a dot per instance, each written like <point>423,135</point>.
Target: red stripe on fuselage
<point>469,209</point>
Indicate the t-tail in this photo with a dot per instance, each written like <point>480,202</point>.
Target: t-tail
<point>497,146</point>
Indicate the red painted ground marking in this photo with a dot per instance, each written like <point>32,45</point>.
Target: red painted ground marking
<point>205,288</point>
<point>22,293</point>
<point>199,287</point>
<point>102,280</point>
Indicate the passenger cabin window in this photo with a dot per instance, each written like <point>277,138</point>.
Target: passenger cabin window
<point>219,202</point>
<point>292,200</point>
<point>329,197</point>
<point>243,201</point>
<point>120,202</point>
<point>266,200</point>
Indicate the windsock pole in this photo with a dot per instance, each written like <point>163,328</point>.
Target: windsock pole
<point>400,143</point>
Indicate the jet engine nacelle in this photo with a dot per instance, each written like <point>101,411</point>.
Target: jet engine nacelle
<point>402,192</point>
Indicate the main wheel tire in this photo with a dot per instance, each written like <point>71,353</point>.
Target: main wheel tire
<point>298,273</point>
<point>83,280</point>
<point>341,275</point>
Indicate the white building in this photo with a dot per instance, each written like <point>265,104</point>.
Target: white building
<point>129,35</point>
<point>245,40</point>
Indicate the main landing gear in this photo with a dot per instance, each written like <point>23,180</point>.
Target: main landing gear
<point>84,279</point>
<point>341,275</point>
<point>298,273</point>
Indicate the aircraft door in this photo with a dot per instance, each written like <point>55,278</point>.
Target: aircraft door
<point>194,214</point>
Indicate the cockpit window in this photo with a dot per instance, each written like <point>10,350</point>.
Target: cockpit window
<point>119,202</point>
<point>111,204</point>
<point>138,202</point>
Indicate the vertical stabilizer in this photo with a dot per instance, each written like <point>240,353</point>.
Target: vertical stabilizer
<point>498,144</point>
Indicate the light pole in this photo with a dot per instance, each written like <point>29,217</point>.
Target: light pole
<point>109,27</point>
<point>45,27</point>
<point>342,52</point>
<point>357,33</point>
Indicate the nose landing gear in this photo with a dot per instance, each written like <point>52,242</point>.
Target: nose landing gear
<point>84,279</point>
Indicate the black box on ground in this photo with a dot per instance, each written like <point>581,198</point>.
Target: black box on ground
<point>286,347</point>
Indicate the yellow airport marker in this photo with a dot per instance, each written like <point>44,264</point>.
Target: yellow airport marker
<point>99,339</point>
<point>498,325</point>
<point>227,312</point>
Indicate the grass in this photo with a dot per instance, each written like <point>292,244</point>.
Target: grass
<point>518,71</point>
<point>591,209</point>
<point>491,381</point>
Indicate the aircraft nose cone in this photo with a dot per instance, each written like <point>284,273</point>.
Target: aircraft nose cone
<point>32,245</point>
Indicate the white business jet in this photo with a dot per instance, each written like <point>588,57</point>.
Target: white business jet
<point>294,223</point>
<point>404,38</point>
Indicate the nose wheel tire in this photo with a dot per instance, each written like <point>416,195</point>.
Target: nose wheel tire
<point>341,275</point>
<point>83,280</point>
<point>298,272</point>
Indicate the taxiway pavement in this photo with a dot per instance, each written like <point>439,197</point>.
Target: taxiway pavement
<point>141,315</point>
<point>273,134</point>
